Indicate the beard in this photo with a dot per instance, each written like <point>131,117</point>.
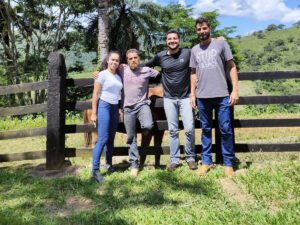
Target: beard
<point>204,37</point>
<point>134,66</point>
<point>177,46</point>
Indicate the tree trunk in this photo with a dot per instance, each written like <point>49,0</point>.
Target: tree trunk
<point>103,28</point>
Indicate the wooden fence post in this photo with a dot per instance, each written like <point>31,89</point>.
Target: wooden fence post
<point>55,154</point>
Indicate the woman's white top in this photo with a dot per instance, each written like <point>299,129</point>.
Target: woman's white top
<point>111,86</point>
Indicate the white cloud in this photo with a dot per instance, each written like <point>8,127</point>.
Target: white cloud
<point>182,2</point>
<point>258,9</point>
<point>249,32</point>
<point>154,1</point>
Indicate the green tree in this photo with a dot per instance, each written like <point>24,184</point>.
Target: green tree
<point>134,24</point>
<point>39,26</point>
<point>271,27</point>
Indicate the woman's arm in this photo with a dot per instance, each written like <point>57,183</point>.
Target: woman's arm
<point>97,88</point>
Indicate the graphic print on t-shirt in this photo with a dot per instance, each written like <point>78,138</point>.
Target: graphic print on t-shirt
<point>130,77</point>
<point>207,59</point>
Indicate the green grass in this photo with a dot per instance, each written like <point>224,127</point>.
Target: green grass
<point>270,180</point>
<point>85,74</point>
<point>155,197</point>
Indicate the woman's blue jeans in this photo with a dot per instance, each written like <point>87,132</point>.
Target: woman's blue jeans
<point>222,107</point>
<point>108,119</point>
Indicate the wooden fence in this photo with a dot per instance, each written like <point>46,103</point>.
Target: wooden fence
<point>56,107</point>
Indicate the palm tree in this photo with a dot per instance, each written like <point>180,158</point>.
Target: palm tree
<point>124,24</point>
<point>103,28</point>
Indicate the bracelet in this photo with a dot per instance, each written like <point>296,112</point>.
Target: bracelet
<point>191,95</point>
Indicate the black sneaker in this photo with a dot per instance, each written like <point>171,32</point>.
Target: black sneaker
<point>109,168</point>
<point>95,175</point>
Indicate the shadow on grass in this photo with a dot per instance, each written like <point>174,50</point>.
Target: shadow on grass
<point>26,198</point>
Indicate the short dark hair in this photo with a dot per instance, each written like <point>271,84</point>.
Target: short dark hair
<point>132,50</point>
<point>201,20</point>
<point>173,31</point>
<point>113,52</point>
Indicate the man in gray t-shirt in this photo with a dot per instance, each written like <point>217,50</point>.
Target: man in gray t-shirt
<point>210,61</point>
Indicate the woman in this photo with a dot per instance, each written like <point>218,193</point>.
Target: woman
<point>106,94</point>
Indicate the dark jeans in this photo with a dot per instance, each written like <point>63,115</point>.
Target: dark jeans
<point>222,107</point>
<point>108,119</point>
<point>143,114</point>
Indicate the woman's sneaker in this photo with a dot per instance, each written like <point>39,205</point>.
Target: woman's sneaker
<point>96,176</point>
<point>109,169</point>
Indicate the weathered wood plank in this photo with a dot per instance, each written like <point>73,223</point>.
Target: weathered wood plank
<point>246,100</point>
<point>268,75</point>
<point>272,147</point>
<point>18,88</point>
<point>84,128</point>
<point>31,132</point>
<point>292,122</point>
<point>22,156</point>
<point>79,105</point>
<point>21,110</point>
<point>254,100</point>
<point>80,82</point>
<point>56,111</point>
<point>165,150</point>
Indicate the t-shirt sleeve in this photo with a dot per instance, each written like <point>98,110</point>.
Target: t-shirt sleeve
<point>152,72</point>
<point>152,62</point>
<point>193,60</point>
<point>101,78</point>
<point>227,51</point>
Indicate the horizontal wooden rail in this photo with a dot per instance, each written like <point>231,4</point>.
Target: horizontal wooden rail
<point>85,82</point>
<point>243,123</point>
<point>270,147</point>
<point>21,110</point>
<point>159,125</point>
<point>80,82</point>
<point>165,150</point>
<point>163,125</point>
<point>158,103</point>
<point>269,75</point>
<point>246,100</point>
<point>152,150</point>
<point>79,105</point>
<point>23,156</point>
<point>31,132</point>
<point>84,128</point>
<point>18,88</point>
<point>272,99</point>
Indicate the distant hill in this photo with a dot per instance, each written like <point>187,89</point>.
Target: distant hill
<point>270,50</point>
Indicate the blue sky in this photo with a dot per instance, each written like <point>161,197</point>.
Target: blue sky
<point>247,15</point>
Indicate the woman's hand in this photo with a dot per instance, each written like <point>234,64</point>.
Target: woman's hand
<point>94,119</point>
<point>95,75</point>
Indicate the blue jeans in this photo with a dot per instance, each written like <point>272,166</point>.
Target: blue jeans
<point>143,114</point>
<point>222,107</point>
<point>174,107</point>
<point>108,119</point>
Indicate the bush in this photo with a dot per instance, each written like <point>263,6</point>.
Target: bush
<point>290,39</point>
<point>272,27</point>
<point>260,35</point>
<point>279,42</point>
